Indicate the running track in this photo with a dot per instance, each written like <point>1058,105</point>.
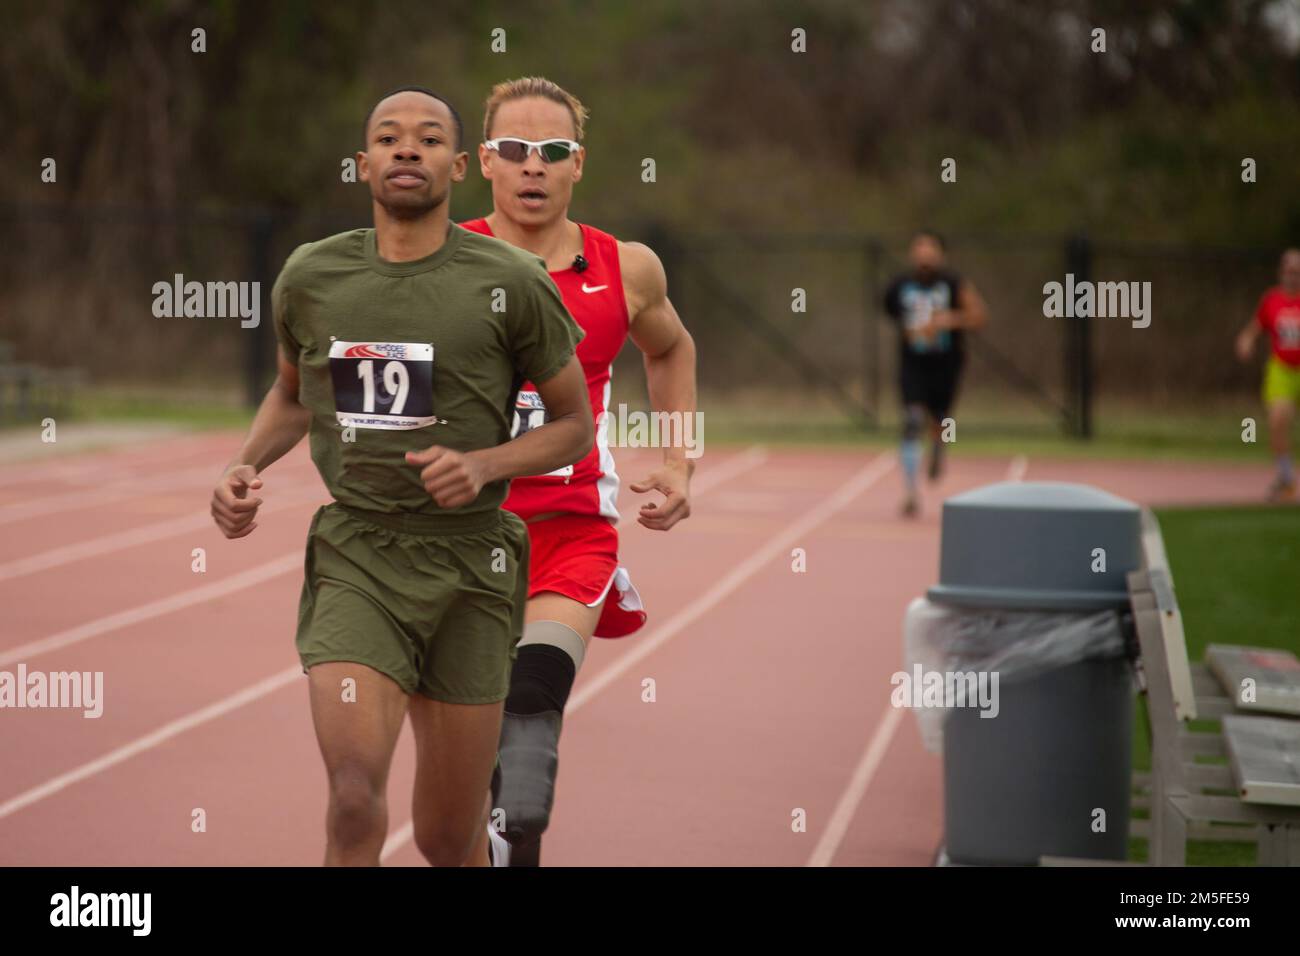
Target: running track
<point>771,687</point>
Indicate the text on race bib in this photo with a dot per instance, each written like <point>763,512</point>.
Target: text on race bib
<point>387,385</point>
<point>919,305</point>
<point>530,413</point>
<point>1288,330</point>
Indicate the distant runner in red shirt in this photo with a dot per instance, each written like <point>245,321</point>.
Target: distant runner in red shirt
<point>1278,315</point>
<point>615,290</point>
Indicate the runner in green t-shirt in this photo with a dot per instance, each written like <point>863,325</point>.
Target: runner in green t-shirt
<point>401,349</point>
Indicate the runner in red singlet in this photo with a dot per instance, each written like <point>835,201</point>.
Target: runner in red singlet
<point>1278,317</point>
<point>615,290</point>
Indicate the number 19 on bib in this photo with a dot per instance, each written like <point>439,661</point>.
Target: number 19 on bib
<point>385,385</point>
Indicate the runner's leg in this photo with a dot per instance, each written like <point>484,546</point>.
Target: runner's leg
<point>455,749</point>
<point>935,467</point>
<point>357,732</point>
<point>1281,413</point>
<point>540,682</point>
<point>942,395</point>
<point>912,388</point>
<point>910,453</point>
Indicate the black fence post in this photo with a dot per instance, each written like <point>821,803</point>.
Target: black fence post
<point>1078,351</point>
<point>262,340</point>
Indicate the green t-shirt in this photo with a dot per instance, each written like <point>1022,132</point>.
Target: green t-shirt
<point>403,355</point>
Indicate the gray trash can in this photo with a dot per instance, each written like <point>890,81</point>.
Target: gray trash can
<point>1032,587</point>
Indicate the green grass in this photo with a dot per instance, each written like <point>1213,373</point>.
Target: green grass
<point>198,408</point>
<point>1181,440</point>
<point>986,424</point>
<point>1237,574</point>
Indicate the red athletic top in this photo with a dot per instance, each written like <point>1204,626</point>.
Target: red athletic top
<point>1279,315</point>
<point>594,297</point>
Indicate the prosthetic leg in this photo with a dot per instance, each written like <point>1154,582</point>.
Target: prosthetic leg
<point>523,785</point>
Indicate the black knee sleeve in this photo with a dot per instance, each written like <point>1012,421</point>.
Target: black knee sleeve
<point>524,784</point>
<point>540,680</point>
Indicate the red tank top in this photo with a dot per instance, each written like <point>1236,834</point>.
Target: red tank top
<point>1279,315</point>
<point>594,297</point>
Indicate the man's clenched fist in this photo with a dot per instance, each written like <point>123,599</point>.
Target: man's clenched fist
<point>232,508</point>
<point>450,477</point>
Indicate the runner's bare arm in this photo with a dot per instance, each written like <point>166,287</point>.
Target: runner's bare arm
<point>281,420</point>
<point>974,312</point>
<point>455,478</point>
<point>280,424</point>
<point>669,355</point>
<point>971,315</point>
<point>1246,340</point>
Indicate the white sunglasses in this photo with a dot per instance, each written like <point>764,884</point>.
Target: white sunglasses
<point>518,150</point>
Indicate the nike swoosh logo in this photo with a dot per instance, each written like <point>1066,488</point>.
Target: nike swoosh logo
<point>593,288</point>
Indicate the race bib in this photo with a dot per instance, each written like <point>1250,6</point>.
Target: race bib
<point>385,385</point>
<point>530,413</point>
<point>1288,330</point>
<point>918,307</point>
<point>917,310</point>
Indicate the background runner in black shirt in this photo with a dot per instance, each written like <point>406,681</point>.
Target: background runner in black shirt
<point>934,307</point>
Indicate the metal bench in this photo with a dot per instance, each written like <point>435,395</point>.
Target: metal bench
<point>1187,798</point>
<point>1274,677</point>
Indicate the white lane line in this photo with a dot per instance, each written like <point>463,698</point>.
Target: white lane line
<point>89,498</point>
<point>94,465</point>
<point>159,530</point>
<point>106,544</point>
<point>776,546</point>
<point>112,622</point>
<point>200,480</point>
<point>396,840</point>
<point>847,805</point>
<point>151,740</point>
<point>733,467</point>
<point>248,695</point>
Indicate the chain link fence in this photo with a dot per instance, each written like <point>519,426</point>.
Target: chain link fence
<point>788,327</point>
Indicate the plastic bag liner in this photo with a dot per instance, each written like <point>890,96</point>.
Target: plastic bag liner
<point>1013,645</point>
